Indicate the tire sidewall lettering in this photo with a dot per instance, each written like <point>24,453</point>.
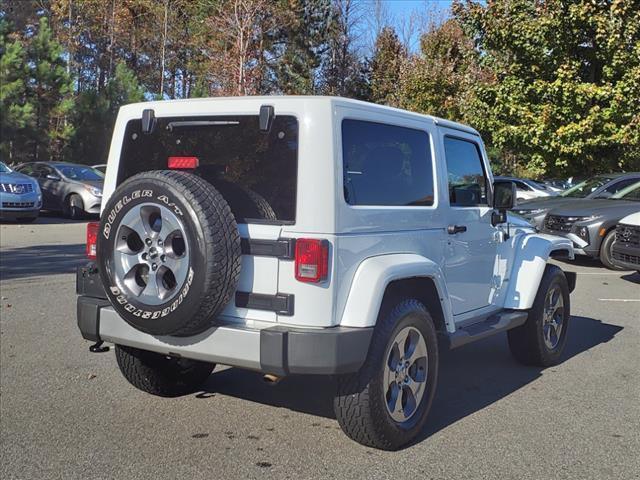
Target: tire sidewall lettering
<point>117,294</point>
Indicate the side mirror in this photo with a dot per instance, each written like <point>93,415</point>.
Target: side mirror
<point>504,195</point>
<point>53,177</point>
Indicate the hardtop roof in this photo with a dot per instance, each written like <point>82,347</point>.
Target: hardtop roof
<point>273,99</point>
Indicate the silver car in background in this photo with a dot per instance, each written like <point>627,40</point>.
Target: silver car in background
<point>20,196</point>
<point>75,190</point>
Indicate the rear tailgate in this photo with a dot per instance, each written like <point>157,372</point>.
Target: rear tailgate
<point>258,276</point>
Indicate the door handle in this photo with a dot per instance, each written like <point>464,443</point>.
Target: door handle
<point>453,229</point>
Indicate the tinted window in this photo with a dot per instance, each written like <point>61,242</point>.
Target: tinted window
<point>44,170</point>
<point>255,172</point>
<point>386,165</point>
<point>467,182</point>
<point>622,184</point>
<point>75,172</point>
<point>28,169</point>
<point>586,187</point>
<point>4,168</point>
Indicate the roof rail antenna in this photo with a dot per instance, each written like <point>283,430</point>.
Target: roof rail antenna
<point>267,114</point>
<point>148,121</point>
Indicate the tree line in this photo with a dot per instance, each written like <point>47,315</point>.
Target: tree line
<point>552,85</point>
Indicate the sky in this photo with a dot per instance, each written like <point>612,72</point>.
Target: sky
<point>403,9</point>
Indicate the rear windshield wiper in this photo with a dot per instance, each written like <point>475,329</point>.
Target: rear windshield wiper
<point>200,123</point>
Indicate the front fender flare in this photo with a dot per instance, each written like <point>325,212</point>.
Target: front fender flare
<point>375,273</point>
<point>530,260</point>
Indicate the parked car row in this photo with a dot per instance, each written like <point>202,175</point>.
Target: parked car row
<point>71,189</point>
<point>589,213</point>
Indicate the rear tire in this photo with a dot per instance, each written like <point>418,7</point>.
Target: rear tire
<point>377,406</point>
<point>606,254</point>
<point>159,374</point>
<point>539,341</point>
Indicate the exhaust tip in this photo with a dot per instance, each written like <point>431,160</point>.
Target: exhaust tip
<point>271,379</point>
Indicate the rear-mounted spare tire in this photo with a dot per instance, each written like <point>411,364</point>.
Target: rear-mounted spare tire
<point>169,252</point>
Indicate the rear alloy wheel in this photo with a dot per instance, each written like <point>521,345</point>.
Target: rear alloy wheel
<point>74,207</point>
<point>385,405</point>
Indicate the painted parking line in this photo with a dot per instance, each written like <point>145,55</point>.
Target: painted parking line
<point>619,299</point>
<point>601,273</point>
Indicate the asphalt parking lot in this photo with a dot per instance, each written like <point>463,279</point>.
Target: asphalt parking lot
<point>67,413</point>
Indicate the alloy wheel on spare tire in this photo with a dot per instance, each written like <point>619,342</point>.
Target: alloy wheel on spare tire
<point>169,252</point>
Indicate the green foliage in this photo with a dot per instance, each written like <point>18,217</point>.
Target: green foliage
<point>552,85</point>
<point>96,113</point>
<point>440,79</point>
<point>298,43</point>
<point>16,115</point>
<point>386,67</point>
<point>566,99</point>
<point>49,88</point>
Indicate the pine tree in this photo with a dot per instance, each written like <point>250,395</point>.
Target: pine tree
<point>344,72</point>
<point>49,89</point>
<point>16,114</point>
<point>388,58</point>
<point>298,45</point>
<point>96,112</point>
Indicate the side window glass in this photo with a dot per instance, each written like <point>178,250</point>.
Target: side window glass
<point>44,171</point>
<point>617,186</point>
<point>467,181</point>
<point>28,170</point>
<point>523,186</point>
<point>386,165</point>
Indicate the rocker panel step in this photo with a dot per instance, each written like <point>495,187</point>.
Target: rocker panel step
<point>496,323</point>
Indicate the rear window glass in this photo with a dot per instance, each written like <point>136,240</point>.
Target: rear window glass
<point>386,165</point>
<point>256,172</point>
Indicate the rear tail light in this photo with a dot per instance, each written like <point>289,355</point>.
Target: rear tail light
<point>92,239</point>
<point>312,260</point>
<point>183,163</point>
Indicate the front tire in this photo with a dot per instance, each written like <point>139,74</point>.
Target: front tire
<point>159,374</point>
<point>74,207</point>
<point>385,405</point>
<point>541,340</point>
<point>606,254</point>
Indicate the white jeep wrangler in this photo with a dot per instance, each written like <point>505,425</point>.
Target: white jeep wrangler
<point>312,235</point>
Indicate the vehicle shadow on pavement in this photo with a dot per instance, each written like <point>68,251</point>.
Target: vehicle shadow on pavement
<point>471,378</point>
<point>633,277</point>
<point>583,261</point>
<point>40,260</point>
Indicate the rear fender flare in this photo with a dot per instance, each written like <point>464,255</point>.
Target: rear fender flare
<point>375,273</point>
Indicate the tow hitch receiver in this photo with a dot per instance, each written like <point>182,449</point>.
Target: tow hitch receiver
<point>98,348</point>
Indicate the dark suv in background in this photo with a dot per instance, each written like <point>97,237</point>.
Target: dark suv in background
<point>597,187</point>
<point>591,223</point>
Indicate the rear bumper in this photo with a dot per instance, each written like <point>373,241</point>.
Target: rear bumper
<point>278,350</point>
